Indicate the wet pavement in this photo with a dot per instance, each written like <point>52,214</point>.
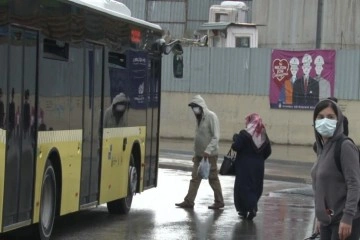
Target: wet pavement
<point>154,217</point>
<point>285,208</point>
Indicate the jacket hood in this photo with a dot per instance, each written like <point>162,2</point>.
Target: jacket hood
<point>198,100</point>
<point>339,131</point>
<point>120,98</point>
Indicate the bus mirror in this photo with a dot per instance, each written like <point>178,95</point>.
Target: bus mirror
<point>166,48</point>
<point>176,48</point>
<point>173,46</point>
<point>178,65</point>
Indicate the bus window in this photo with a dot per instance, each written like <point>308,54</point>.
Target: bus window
<point>57,50</point>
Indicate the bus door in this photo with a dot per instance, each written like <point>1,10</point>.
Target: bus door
<point>92,122</point>
<point>152,120</point>
<point>20,125</point>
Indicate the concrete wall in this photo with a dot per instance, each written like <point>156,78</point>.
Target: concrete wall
<point>283,126</point>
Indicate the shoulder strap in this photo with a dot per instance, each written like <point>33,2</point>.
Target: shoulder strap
<point>338,151</point>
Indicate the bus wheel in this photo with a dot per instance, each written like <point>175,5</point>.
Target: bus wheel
<point>123,205</point>
<point>47,203</point>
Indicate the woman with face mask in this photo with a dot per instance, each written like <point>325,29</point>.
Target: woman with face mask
<point>336,193</point>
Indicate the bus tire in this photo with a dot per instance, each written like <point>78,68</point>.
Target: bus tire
<point>47,203</point>
<point>123,205</point>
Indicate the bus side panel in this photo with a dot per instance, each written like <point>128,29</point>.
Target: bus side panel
<point>67,144</point>
<point>3,111</point>
<point>113,167</point>
<point>138,138</point>
<point>142,158</point>
<point>115,161</point>
<point>2,169</point>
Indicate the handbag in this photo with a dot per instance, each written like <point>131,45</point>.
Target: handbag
<point>228,164</point>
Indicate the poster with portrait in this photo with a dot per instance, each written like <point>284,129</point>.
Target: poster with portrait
<point>299,79</point>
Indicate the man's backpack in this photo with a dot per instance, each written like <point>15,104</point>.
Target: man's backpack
<point>338,153</point>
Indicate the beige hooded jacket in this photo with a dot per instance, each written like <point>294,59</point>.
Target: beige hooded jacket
<point>207,132</point>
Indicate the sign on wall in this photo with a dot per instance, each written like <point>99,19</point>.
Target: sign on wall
<point>299,79</point>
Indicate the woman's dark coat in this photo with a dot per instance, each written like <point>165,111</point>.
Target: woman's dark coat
<point>249,169</point>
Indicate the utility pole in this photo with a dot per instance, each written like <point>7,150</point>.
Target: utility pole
<point>319,23</point>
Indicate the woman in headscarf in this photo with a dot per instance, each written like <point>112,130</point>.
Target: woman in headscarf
<point>252,148</point>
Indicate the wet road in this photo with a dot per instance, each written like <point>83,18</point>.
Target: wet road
<point>283,214</point>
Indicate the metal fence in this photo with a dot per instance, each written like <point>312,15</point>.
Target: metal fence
<point>246,71</point>
<point>178,18</point>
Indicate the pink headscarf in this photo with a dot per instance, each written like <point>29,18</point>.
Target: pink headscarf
<point>256,129</point>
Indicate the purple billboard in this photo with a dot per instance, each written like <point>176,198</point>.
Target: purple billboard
<point>299,79</point>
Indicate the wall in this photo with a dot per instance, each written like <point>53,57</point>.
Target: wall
<point>289,24</point>
<point>180,18</point>
<point>293,23</point>
<point>235,82</point>
<point>283,126</point>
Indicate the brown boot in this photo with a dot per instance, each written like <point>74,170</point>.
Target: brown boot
<point>216,205</point>
<point>184,204</point>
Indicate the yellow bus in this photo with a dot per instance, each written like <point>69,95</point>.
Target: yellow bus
<point>79,108</point>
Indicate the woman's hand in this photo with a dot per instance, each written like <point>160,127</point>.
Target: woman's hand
<point>344,231</point>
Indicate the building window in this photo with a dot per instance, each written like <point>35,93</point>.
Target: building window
<point>221,17</point>
<point>242,42</point>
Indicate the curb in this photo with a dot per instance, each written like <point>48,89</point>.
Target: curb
<point>171,152</point>
<point>266,176</point>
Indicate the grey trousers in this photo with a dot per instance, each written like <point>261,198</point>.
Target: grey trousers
<point>331,232</point>
<point>213,181</point>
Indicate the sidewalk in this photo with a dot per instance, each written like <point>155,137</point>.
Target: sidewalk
<point>286,163</point>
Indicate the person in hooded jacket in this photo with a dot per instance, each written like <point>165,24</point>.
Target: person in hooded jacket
<point>206,145</point>
<point>115,114</point>
<point>336,193</point>
<point>345,122</point>
<point>252,147</point>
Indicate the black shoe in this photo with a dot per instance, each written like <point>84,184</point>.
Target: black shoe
<point>242,215</point>
<point>184,205</point>
<point>216,206</point>
<point>251,215</point>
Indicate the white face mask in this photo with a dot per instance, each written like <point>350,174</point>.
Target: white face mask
<point>196,110</point>
<point>325,127</point>
<point>120,108</point>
